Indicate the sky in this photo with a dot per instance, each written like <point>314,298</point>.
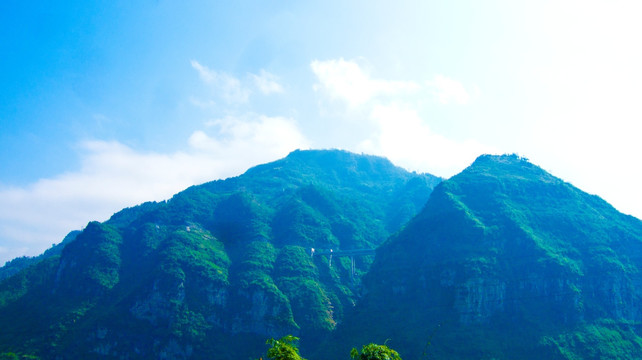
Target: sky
<point>108,104</point>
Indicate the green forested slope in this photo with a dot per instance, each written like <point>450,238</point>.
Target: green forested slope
<point>506,262</point>
<point>16,265</point>
<point>217,269</point>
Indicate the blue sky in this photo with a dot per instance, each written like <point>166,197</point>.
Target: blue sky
<point>107,104</point>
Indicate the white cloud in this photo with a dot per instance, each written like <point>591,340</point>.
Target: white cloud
<point>267,83</point>
<point>229,87</point>
<point>389,122</point>
<point>406,140</point>
<point>235,91</point>
<point>204,72</point>
<point>113,176</point>
<point>448,91</point>
<point>250,141</point>
<point>347,81</point>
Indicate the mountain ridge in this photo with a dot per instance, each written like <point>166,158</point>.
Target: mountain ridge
<point>226,261</point>
<point>501,261</point>
<point>505,261</point>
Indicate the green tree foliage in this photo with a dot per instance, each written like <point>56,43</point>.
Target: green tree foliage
<point>284,349</point>
<point>374,352</point>
<point>14,356</point>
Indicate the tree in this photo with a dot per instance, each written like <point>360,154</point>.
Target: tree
<point>374,352</point>
<point>284,349</point>
<point>14,356</point>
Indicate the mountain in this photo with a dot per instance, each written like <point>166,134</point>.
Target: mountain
<point>218,268</point>
<point>16,265</point>
<point>505,261</point>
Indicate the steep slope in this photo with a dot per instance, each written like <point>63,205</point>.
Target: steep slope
<point>507,262</point>
<point>216,269</point>
<point>16,265</point>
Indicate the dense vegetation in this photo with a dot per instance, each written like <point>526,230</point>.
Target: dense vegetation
<point>505,262</point>
<point>16,265</point>
<point>286,349</point>
<point>218,267</point>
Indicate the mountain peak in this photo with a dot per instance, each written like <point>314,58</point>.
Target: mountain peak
<point>334,158</point>
<point>503,158</point>
<point>339,168</point>
<point>334,154</point>
<point>508,261</point>
<point>505,169</point>
<point>218,267</point>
